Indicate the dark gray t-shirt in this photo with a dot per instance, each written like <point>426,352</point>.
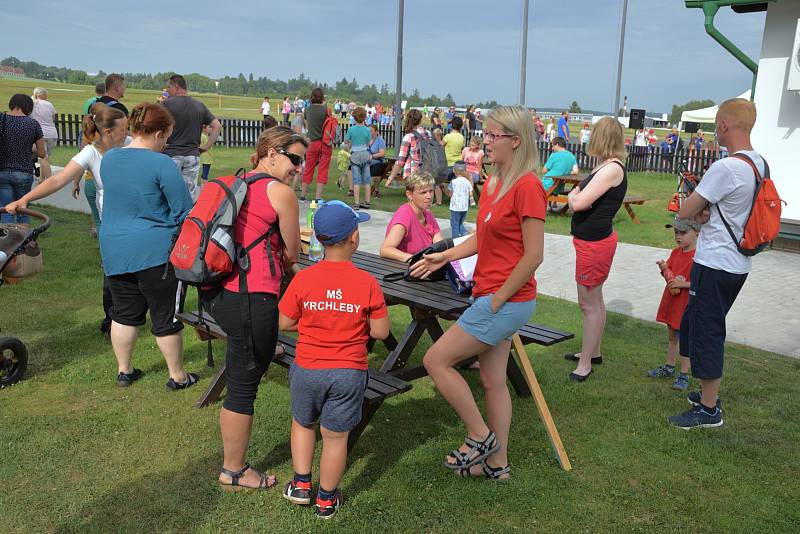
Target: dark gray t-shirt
<point>315,117</point>
<point>190,116</point>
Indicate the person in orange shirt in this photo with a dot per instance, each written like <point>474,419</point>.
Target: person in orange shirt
<point>676,270</point>
<point>335,307</point>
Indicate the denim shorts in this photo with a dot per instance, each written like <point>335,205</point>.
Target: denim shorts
<point>491,328</point>
<point>332,396</point>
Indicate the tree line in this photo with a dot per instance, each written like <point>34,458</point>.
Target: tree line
<point>240,85</point>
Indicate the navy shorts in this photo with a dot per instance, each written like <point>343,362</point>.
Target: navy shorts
<point>702,332</point>
<point>332,396</point>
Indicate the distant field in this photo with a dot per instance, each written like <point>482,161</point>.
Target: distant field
<point>68,98</point>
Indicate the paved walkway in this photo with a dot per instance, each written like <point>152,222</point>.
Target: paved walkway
<point>766,315</point>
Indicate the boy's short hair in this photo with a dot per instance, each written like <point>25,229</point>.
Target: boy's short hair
<point>560,141</point>
<point>457,123</point>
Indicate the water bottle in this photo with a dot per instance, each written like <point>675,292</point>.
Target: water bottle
<point>312,209</point>
<point>315,250</point>
<point>669,276</point>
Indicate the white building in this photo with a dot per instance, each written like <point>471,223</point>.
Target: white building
<point>777,131</point>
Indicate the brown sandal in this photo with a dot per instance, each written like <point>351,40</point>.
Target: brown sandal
<point>265,481</point>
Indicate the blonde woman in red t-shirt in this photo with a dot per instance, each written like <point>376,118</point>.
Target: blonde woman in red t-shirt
<point>509,242</point>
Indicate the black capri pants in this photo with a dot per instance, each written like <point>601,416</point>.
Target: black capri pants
<point>243,371</point>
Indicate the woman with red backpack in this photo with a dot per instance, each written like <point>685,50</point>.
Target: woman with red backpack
<point>269,203</point>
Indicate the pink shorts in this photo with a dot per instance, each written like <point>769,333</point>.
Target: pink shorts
<point>593,259</point>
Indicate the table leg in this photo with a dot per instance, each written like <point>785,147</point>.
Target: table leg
<point>399,356</point>
<point>632,214</point>
<point>516,378</point>
<point>214,389</point>
<point>367,412</point>
<point>541,405</point>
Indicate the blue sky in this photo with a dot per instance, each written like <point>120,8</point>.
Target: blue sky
<point>468,48</point>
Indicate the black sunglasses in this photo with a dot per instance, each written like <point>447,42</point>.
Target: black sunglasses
<point>296,159</point>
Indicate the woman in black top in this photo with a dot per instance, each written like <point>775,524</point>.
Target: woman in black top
<point>595,202</point>
<point>470,119</point>
<point>20,138</point>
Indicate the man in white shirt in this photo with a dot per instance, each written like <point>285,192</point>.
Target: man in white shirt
<point>265,108</point>
<point>719,270</point>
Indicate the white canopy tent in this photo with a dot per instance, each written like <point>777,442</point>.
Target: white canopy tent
<point>706,115</point>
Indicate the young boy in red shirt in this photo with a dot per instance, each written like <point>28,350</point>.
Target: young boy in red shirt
<point>676,294</point>
<point>335,307</point>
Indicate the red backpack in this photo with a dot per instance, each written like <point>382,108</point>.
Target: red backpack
<point>206,249</point>
<point>329,130</point>
<point>764,220</point>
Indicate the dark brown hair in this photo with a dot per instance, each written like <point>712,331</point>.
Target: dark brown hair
<point>177,79</point>
<point>148,118</point>
<point>100,117</point>
<point>317,96</point>
<point>359,114</point>
<point>23,102</point>
<point>276,138</point>
<point>413,119</point>
<point>112,80</point>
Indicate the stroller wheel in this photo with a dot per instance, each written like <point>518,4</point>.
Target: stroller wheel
<point>13,360</point>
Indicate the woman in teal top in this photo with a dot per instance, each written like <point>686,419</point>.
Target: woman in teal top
<point>358,137</point>
<point>145,202</point>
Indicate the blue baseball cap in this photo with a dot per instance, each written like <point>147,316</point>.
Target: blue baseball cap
<point>335,221</point>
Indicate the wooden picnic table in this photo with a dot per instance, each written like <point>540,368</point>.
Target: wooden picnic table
<point>428,303</point>
<point>562,185</point>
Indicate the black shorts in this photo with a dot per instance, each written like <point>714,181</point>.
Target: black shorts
<point>377,169</point>
<point>702,333</point>
<point>133,294</point>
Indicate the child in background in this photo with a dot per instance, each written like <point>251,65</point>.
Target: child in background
<point>206,159</point>
<point>335,308</point>
<point>473,157</point>
<point>675,297</point>
<point>460,193</point>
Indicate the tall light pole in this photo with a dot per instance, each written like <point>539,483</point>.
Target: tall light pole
<point>623,16</point>
<point>398,88</point>
<point>523,56</point>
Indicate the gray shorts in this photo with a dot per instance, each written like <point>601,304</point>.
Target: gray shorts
<point>332,396</point>
<point>190,168</point>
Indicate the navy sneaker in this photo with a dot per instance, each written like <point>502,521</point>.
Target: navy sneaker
<point>697,417</point>
<point>297,492</point>
<point>694,399</point>
<point>191,379</point>
<point>662,371</point>
<point>126,379</point>
<point>325,509</point>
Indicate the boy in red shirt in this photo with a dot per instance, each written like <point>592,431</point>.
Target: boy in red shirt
<point>335,307</point>
<point>675,297</point>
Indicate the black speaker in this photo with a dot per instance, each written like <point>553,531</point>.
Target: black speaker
<point>637,119</point>
<point>691,127</point>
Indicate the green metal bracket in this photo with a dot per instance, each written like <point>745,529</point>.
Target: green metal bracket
<point>710,9</point>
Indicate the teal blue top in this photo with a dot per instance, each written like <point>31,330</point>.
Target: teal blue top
<point>145,201</point>
<point>559,163</point>
<point>358,136</point>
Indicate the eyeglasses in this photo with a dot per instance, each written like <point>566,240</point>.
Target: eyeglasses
<point>296,159</point>
<point>489,137</point>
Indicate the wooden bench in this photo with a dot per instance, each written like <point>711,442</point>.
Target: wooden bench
<point>380,386</point>
<point>633,200</point>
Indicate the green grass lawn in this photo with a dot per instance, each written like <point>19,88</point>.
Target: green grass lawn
<point>82,455</point>
<point>654,215</point>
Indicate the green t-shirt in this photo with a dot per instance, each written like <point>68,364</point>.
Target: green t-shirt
<point>560,163</point>
<point>88,105</point>
<point>453,145</point>
<point>205,157</point>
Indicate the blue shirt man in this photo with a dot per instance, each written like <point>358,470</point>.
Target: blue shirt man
<point>560,163</point>
<point>563,127</point>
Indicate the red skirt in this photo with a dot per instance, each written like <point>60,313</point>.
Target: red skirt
<point>593,259</point>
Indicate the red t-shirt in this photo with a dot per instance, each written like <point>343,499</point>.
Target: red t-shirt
<point>500,245</point>
<point>670,310</point>
<point>333,302</point>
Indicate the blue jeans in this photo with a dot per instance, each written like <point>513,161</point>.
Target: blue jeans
<point>457,219</point>
<point>13,186</point>
<point>90,190</point>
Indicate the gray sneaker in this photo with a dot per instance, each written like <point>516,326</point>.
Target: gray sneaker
<point>681,383</point>
<point>662,371</point>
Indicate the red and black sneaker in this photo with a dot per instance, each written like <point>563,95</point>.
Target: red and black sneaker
<point>297,492</point>
<point>325,509</point>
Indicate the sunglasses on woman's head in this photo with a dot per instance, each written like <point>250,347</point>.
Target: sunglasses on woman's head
<point>296,159</point>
